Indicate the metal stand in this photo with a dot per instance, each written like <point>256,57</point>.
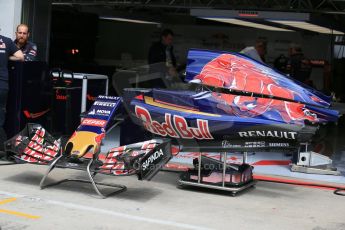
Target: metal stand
<point>121,188</point>
<point>314,170</point>
<point>313,163</point>
<point>234,190</point>
<point>6,162</point>
<point>4,159</point>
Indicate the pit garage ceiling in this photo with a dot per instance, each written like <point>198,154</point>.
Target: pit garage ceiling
<point>321,6</point>
<point>178,11</point>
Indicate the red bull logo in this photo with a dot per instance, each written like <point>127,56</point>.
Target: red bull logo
<point>174,126</point>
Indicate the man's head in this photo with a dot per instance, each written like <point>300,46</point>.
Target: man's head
<point>22,34</point>
<point>167,37</point>
<point>260,46</point>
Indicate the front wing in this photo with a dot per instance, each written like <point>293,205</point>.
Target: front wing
<point>36,146</point>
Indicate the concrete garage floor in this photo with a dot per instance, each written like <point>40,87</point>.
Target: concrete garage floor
<point>159,205</point>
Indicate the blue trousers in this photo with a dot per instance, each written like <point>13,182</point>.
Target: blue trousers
<point>3,101</point>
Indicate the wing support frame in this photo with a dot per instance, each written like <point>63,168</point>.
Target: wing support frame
<point>119,188</point>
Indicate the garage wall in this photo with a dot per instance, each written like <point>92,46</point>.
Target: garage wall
<point>37,14</point>
<point>126,40</point>
<point>131,41</point>
<point>10,13</point>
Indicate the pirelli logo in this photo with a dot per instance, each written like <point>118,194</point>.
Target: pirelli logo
<point>106,104</point>
<point>94,122</point>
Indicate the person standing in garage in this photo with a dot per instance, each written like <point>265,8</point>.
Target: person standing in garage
<point>28,48</point>
<point>8,50</point>
<point>256,52</point>
<point>298,66</point>
<point>161,58</point>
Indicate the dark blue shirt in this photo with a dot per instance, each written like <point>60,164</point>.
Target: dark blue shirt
<point>29,50</point>
<point>7,48</point>
<point>158,54</point>
<point>300,67</point>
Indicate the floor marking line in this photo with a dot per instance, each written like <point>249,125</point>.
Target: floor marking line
<point>127,216</point>
<point>112,213</point>
<point>19,214</point>
<point>7,200</point>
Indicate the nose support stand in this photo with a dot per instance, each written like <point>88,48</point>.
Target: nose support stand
<point>312,162</point>
<point>62,162</point>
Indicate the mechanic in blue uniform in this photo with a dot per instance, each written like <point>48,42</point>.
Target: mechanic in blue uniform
<point>8,50</point>
<point>161,58</point>
<point>299,66</point>
<point>162,51</point>
<point>28,48</point>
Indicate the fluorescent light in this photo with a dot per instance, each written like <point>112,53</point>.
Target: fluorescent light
<point>246,23</point>
<point>128,20</point>
<point>308,26</point>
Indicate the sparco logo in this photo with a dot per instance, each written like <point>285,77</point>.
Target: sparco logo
<point>277,134</point>
<point>152,158</point>
<point>107,104</point>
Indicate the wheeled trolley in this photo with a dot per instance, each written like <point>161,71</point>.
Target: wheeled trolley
<point>218,174</point>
